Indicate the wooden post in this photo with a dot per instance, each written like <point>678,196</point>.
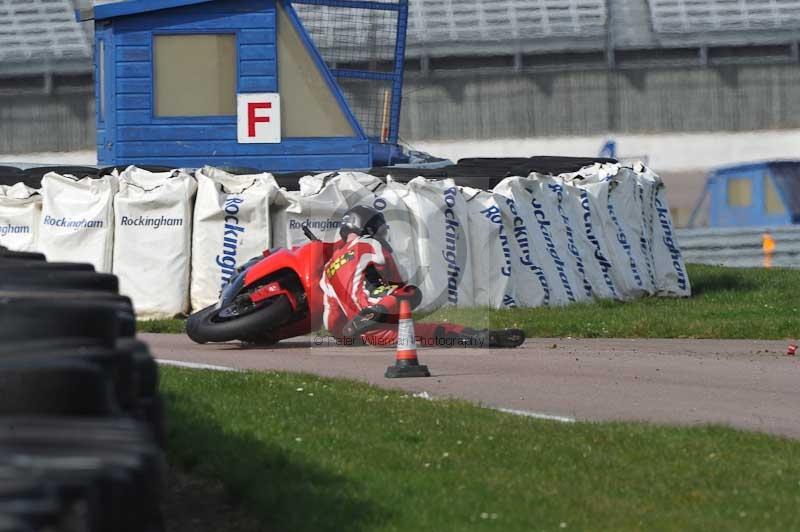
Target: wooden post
<point>387,100</point>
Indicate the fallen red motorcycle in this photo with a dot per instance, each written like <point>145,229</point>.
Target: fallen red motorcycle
<point>271,298</point>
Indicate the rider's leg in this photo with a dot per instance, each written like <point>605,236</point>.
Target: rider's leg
<point>427,334</point>
<point>448,335</point>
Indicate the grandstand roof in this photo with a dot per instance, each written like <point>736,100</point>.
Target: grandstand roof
<point>42,35</point>
<point>480,24</point>
<point>724,22</point>
<point>690,16</point>
<point>486,27</point>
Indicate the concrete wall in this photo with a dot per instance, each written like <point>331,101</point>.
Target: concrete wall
<point>475,105</point>
<point>46,122</point>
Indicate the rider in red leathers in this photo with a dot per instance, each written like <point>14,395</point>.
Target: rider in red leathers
<point>363,288</point>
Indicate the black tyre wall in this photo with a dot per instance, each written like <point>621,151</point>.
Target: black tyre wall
<point>8,267</point>
<point>54,388</point>
<point>7,255</point>
<point>18,279</point>
<point>27,319</point>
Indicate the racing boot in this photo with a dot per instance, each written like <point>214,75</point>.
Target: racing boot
<point>368,319</point>
<point>497,338</point>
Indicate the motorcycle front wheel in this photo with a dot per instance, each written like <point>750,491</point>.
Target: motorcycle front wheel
<point>205,326</point>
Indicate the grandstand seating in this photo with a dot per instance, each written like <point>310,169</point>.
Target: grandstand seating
<point>41,31</point>
<point>692,16</point>
<point>438,21</point>
<point>451,22</point>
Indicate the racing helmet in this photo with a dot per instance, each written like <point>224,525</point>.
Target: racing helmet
<point>363,221</point>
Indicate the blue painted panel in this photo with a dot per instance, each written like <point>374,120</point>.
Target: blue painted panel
<point>139,7</point>
<point>200,148</point>
<point>184,132</point>
<point>118,9</point>
<point>258,84</point>
<point>132,38</point>
<point>203,21</point>
<point>134,70</point>
<point>130,118</point>
<point>133,53</point>
<point>133,102</point>
<point>257,68</point>
<point>133,85</point>
<point>715,202</point>
<point>180,133</point>
<point>253,51</point>
<point>361,74</point>
<point>260,36</point>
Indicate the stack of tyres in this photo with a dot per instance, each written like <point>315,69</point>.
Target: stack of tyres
<point>81,419</point>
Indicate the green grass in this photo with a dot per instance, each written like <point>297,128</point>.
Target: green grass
<point>168,326</point>
<point>727,303</point>
<point>310,454</point>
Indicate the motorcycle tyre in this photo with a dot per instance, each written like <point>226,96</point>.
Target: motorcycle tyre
<point>257,325</point>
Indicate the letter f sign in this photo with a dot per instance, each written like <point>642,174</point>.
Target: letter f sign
<point>259,118</point>
<point>252,119</point>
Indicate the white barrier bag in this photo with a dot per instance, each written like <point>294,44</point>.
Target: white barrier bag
<point>531,287</point>
<point>626,202</point>
<point>628,271</point>
<point>535,204</point>
<point>586,243</point>
<point>440,222</point>
<point>320,211</point>
<point>153,232</point>
<point>77,223</point>
<point>670,269</point>
<point>490,244</point>
<point>559,232</point>
<point>231,226</point>
<point>20,215</point>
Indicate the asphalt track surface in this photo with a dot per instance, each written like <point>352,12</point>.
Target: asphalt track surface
<point>747,384</point>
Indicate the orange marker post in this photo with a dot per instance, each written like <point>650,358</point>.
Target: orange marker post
<point>768,245</point>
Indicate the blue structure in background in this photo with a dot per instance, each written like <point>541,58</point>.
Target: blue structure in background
<point>756,194</point>
<point>133,128</point>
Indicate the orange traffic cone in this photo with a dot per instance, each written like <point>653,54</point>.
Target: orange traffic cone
<point>406,362</point>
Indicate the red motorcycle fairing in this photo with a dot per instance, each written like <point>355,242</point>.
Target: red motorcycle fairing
<point>306,262</point>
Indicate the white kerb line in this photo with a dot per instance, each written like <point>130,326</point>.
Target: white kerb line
<point>523,413</point>
<point>193,365</point>
<point>536,415</point>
